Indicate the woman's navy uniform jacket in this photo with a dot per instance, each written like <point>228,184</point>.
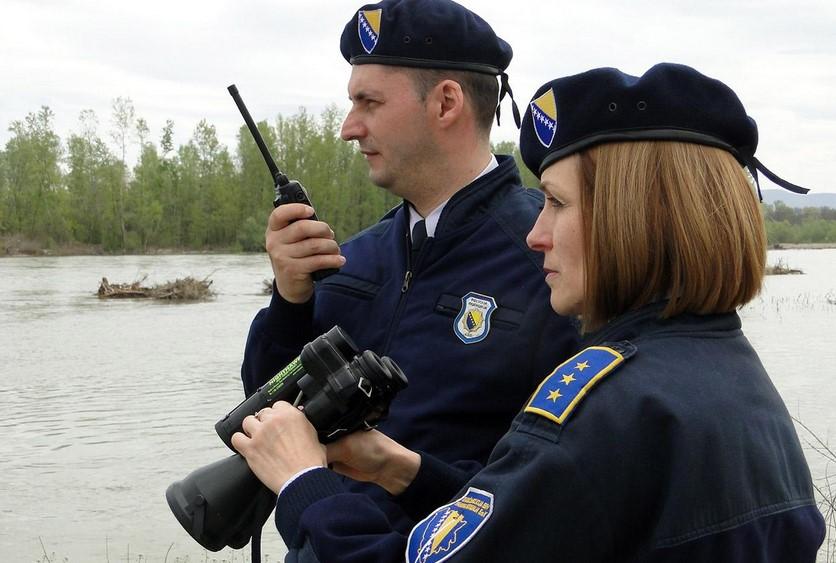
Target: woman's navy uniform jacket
<point>663,440</point>
<point>467,320</point>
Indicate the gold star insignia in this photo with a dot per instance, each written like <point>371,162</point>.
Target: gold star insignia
<point>554,395</point>
<point>580,366</point>
<point>567,379</point>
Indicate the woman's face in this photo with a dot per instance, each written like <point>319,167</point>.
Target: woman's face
<point>558,234</point>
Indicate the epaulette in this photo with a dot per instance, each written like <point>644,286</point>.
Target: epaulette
<point>562,390</point>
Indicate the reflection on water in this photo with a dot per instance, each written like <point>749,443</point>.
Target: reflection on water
<point>106,402</point>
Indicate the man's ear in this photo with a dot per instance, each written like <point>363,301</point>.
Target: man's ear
<point>449,103</point>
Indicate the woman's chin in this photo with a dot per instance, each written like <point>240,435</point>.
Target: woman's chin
<point>567,308</point>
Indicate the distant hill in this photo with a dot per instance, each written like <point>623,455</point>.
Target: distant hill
<point>797,200</point>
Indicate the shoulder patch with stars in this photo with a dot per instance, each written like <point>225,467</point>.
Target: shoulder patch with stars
<point>562,390</point>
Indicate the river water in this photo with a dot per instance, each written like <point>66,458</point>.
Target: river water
<point>106,402</point>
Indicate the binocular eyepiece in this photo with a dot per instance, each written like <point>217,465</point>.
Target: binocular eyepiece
<point>342,391</point>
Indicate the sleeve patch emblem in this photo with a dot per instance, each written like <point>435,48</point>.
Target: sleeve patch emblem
<point>441,534</point>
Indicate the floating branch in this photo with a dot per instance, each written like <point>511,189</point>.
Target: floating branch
<point>185,289</point>
<point>780,269</point>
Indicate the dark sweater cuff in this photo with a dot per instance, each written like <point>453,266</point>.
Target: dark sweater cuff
<point>305,490</point>
<point>434,485</point>
<point>289,323</point>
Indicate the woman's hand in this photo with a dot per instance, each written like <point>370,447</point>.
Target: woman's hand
<point>278,442</point>
<point>373,456</point>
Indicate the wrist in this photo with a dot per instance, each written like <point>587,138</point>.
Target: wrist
<point>295,476</point>
<point>401,471</point>
<point>294,293</point>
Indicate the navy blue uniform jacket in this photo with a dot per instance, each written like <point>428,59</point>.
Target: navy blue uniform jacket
<point>461,396</point>
<point>679,450</point>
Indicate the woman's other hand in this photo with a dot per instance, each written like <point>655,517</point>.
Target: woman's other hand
<point>374,457</point>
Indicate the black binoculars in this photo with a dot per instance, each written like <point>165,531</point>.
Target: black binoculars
<point>342,390</point>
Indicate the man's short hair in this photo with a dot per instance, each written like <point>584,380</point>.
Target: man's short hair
<point>666,219</point>
<point>481,89</point>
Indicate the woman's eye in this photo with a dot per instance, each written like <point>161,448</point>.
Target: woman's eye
<point>554,202</point>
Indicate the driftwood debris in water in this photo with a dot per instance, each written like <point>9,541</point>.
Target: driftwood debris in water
<point>118,290</point>
<point>185,289</point>
<point>781,269</point>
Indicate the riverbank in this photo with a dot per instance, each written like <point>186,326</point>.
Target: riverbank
<point>20,246</point>
<point>802,245</point>
<point>17,246</point>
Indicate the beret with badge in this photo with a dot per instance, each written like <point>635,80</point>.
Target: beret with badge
<point>669,102</point>
<point>435,34</point>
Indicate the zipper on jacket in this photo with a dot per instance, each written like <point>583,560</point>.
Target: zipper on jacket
<point>406,279</point>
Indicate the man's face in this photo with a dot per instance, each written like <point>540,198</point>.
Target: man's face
<point>390,124</point>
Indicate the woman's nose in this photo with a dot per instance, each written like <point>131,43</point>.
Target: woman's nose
<point>539,238</point>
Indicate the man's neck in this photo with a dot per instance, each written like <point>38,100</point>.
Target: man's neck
<point>445,185</point>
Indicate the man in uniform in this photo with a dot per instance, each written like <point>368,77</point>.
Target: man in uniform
<point>444,284</point>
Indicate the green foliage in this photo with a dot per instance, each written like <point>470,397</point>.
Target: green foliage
<point>5,195</point>
<point>251,235</point>
<point>788,225</point>
<point>94,184</point>
<point>34,201</point>
<point>195,196</point>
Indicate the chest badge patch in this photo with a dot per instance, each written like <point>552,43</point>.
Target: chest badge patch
<point>438,536</point>
<point>473,323</point>
<point>368,26</point>
<point>564,388</point>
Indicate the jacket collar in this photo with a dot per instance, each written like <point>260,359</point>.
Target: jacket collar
<point>646,321</point>
<point>476,198</point>
<point>470,202</point>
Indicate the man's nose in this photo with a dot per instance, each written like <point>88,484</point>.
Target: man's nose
<point>352,128</point>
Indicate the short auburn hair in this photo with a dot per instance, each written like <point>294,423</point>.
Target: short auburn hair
<point>666,219</point>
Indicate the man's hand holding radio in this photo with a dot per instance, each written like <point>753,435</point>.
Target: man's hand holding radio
<point>298,247</point>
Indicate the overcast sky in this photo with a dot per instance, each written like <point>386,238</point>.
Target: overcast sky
<point>175,58</point>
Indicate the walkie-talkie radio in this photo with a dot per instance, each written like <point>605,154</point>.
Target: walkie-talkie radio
<point>285,191</point>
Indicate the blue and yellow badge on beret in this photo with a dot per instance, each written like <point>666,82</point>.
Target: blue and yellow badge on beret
<point>368,26</point>
<point>473,323</point>
<point>438,536</point>
<point>544,117</point>
<point>563,389</point>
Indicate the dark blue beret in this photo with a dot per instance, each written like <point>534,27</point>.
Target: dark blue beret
<point>670,102</point>
<point>438,34</point>
<point>424,33</point>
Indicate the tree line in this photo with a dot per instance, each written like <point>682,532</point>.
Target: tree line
<point>199,196</point>
<point>195,196</point>
<point>785,224</point>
